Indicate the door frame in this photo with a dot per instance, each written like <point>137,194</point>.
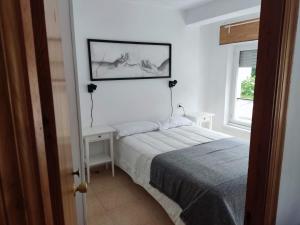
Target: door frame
<point>275,56</point>
<point>278,25</point>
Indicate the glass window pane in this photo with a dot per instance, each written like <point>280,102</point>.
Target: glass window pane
<point>245,86</point>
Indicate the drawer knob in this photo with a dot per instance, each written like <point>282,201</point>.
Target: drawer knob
<point>99,136</point>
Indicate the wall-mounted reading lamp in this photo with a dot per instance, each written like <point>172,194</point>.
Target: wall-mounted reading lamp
<point>172,83</point>
<point>91,88</point>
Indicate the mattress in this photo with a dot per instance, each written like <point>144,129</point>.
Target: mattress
<point>134,155</point>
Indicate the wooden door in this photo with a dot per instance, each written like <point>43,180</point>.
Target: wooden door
<point>36,181</point>
<point>24,181</point>
<point>55,108</point>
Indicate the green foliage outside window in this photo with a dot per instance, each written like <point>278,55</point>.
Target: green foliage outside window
<point>247,86</point>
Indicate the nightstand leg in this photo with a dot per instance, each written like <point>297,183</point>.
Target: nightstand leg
<point>112,155</point>
<point>211,123</point>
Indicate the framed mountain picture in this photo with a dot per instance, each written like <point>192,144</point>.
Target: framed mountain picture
<point>123,60</point>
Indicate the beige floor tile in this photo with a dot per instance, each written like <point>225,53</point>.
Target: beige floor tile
<point>131,214</point>
<point>156,210</point>
<point>100,220</point>
<point>94,207</point>
<point>104,181</point>
<point>141,194</point>
<point>118,201</point>
<point>117,197</point>
<point>90,193</point>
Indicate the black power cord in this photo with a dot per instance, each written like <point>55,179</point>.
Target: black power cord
<point>171,85</point>
<point>92,108</point>
<point>172,108</point>
<point>91,88</point>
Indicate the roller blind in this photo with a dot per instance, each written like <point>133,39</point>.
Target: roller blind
<point>248,58</point>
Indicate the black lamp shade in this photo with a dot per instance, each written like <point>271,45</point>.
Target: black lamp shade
<point>91,87</point>
<point>172,83</point>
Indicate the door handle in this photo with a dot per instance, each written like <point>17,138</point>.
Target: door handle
<point>81,188</point>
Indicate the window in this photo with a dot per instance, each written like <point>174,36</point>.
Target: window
<point>242,85</point>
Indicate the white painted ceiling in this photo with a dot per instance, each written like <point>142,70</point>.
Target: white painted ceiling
<point>178,4</point>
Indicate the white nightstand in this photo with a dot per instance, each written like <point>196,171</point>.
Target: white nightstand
<point>203,119</point>
<point>96,134</point>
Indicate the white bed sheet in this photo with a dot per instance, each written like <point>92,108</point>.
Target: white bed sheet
<point>134,155</point>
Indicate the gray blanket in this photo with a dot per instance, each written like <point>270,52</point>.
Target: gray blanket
<point>208,181</point>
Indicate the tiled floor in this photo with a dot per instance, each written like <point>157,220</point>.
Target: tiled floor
<point>118,201</point>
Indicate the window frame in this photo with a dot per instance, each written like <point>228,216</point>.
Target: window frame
<point>237,48</point>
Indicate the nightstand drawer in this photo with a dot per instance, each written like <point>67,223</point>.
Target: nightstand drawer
<point>99,137</point>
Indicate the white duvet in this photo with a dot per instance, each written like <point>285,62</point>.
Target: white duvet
<point>134,155</point>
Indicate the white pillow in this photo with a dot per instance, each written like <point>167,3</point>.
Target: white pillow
<point>126,129</point>
<point>173,122</point>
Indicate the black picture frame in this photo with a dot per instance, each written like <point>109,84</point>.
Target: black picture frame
<point>92,78</point>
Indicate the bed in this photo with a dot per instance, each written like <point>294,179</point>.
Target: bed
<point>134,155</point>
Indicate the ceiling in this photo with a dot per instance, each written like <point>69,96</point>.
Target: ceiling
<point>178,4</point>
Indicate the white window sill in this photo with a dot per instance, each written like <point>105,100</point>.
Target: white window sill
<point>238,127</point>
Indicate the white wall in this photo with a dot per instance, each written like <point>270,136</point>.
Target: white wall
<point>289,195</point>
<point>119,101</point>
<point>215,70</point>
